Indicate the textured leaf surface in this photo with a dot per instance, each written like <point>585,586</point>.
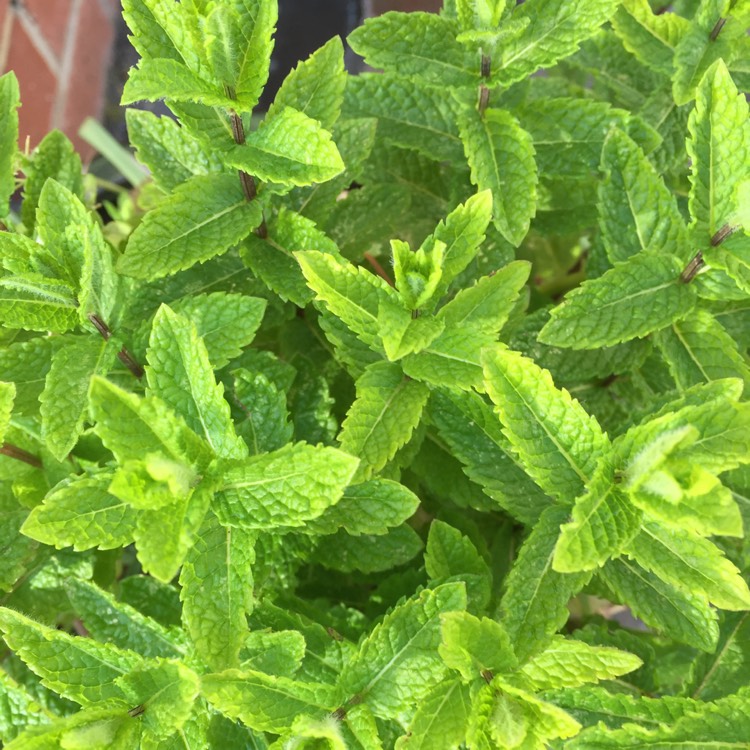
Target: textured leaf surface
<point>398,663</point>
<point>718,145</point>
<point>387,409</point>
<point>556,440</point>
<point>636,210</point>
<point>37,304</point>
<point>82,514</point>
<point>284,488</point>
<point>631,300</point>
<point>535,603</point>
<point>501,157</point>
<point>180,373</point>
<point>78,668</point>
<point>216,592</point>
<point>290,148</point>
<point>9,103</point>
<point>204,217</point>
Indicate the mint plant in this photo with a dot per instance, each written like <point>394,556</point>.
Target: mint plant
<point>409,414</point>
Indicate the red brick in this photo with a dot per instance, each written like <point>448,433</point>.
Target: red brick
<point>37,84</point>
<point>86,88</point>
<point>51,17</point>
<point>381,6</point>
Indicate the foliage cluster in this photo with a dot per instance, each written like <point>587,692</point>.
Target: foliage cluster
<point>357,423</point>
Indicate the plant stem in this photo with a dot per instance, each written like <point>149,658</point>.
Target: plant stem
<point>13,451</point>
<point>484,92</point>
<point>378,268</point>
<point>692,268</point>
<point>123,355</point>
<point>717,29</point>
<point>247,181</point>
<point>726,231</point>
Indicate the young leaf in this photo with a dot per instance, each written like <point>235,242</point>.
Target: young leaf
<point>64,401</point>
<point>699,350</point>
<point>380,421</point>
<point>636,210</point>
<point>179,372</point>
<point>691,563</point>
<point>9,103</point>
<point>397,663</point>
<point>558,443</point>
<point>684,616</point>
<point>77,668</point>
<point>204,217</point>
<point>82,513</point>
<point>501,157</point>
<point>402,334</point>
<point>555,30</point>
<point>316,86</point>
<point>263,702</point>
<point>289,148</point>
<point>284,488</point>
<point>604,521</point>
<point>153,33</point>
<point>535,603</point>
<point>35,303</point>
<point>631,300</point>
<point>417,46</point>
<point>216,593</point>
<point>718,145</point>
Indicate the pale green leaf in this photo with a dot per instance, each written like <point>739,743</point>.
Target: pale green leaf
<point>155,79</point>
<point>289,148</point>
<point>501,157</point>
<point>284,488</point>
<point>82,513</point>
<point>403,334</point>
<point>217,592</point>
<point>18,709</point>
<point>9,103</point>
<point>35,303</point>
<point>204,217</point>
<point>382,418</point>
<point>558,443</point>
<point>397,663</point>
<point>631,300</point>
<point>637,213</point>
<point>153,35</point>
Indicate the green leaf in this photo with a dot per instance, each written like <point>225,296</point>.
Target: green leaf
<point>487,305</point>
<point>204,217</point>
<point>382,418</point>
<point>18,550</point>
<point>699,350</point>
<point>35,303</point>
<point>263,702</point>
<point>397,663</point>
<point>167,690</point>
<point>684,616</point>
<point>637,213</point>
<point>9,103</point>
<point>18,709</point>
<point>440,719</point>
<point>417,45</point>
<point>82,513</point>
<point>114,622</point>
<point>225,322</point>
<point>474,435</point>
<point>651,37</point>
<point>408,115</point>
<point>77,668</point>
<point>272,260</point>
<point>7,396</point>
<point>239,45</point>
<point>631,300</point>
<point>133,427</point>
<point>718,145</point>
<point>474,646</point>
<point>180,373</point>
<point>371,507</point>
<point>170,152</point>
<point>604,521</point>
<point>289,148</point>
<point>54,158</point>
<point>558,443</point>
<point>451,556</point>
<point>316,86</point>
<point>403,334</point>
<point>217,592</point>
<point>284,488</point>
<point>690,563</point>
<point>501,157</point>
<point>64,401</point>
<point>555,29</point>
<point>567,663</point>
<point>153,35</point>
<point>535,603</point>
<point>280,653</point>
